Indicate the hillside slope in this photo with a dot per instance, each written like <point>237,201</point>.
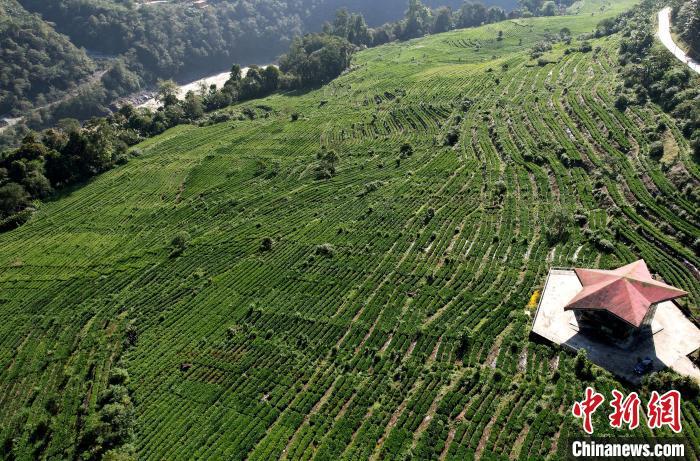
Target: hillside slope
<point>133,44</point>
<point>387,313</point>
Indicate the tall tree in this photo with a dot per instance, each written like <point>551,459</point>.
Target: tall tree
<point>192,105</point>
<point>418,20</point>
<point>235,74</point>
<point>548,8</point>
<point>341,24</point>
<point>533,6</point>
<point>443,20</point>
<point>359,32</point>
<point>13,198</point>
<point>495,14</point>
<point>472,14</point>
<point>167,92</point>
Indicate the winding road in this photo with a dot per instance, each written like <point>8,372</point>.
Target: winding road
<point>664,35</point>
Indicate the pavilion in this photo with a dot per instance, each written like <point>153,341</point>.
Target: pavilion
<point>619,317</point>
<point>619,302</point>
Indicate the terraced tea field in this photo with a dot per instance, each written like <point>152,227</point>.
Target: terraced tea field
<point>344,340</point>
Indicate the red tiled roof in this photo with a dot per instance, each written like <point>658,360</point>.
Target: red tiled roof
<point>627,292</point>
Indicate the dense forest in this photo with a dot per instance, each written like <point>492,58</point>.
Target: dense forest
<point>166,39</point>
<point>378,13</point>
<point>651,73</point>
<point>38,64</point>
<point>687,21</point>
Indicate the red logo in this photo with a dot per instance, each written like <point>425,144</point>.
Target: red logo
<point>585,408</point>
<point>665,410</point>
<point>662,410</point>
<point>626,411</point>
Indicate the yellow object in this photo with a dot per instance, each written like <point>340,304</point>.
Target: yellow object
<point>534,299</point>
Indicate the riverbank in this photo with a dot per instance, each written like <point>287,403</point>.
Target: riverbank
<point>148,99</point>
<point>7,122</point>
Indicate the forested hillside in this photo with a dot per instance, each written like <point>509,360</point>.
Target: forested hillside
<point>381,12</point>
<point>349,271</point>
<point>167,39</point>
<point>687,22</point>
<point>134,43</point>
<point>170,39</point>
<point>37,65</point>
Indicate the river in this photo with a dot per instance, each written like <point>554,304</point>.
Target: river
<point>147,98</point>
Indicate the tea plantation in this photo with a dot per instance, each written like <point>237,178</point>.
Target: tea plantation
<point>350,272</point>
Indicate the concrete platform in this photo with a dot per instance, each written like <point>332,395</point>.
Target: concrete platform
<point>673,337</point>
